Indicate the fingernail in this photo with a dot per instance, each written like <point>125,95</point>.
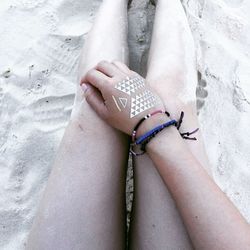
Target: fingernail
<point>84,87</point>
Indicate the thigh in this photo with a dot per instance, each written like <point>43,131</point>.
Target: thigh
<point>156,223</point>
<point>172,73</point>
<point>83,206</point>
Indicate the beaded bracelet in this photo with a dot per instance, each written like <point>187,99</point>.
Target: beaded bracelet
<point>144,139</point>
<point>155,131</point>
<point>150,137</point>
<point>144,119</point>
<point>183,135</point>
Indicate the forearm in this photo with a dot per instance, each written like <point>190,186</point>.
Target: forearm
<point>210,218</point>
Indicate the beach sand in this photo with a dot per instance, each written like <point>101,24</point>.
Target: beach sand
<point>40,47</point>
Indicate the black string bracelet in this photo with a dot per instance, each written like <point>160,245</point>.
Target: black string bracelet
<point>185,136</point>
<point>145,118</point>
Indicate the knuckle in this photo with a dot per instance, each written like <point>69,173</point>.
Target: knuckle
<point>103,82</point>
<point>89,74</point>
<point>107,81</point>
<point>112,81</point>
<point>102,63</point>
<point>113,85</point>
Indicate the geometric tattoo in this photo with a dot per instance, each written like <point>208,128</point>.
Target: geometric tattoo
<point>142,102</point>
<point>123,101</point>
<point>130,85</point>
<point>116,103</point>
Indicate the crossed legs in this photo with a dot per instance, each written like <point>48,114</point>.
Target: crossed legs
<point>84,202</point>
<point>156,223</point>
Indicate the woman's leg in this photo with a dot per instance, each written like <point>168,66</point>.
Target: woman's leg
<point>84,202</point>
<point>172,72</point>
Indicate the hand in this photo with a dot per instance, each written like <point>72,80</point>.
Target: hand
<point>119,96</point>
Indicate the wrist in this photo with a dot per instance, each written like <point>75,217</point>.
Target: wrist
<point>162,140</point>
<point>167,146</point>
<point>166,141</point>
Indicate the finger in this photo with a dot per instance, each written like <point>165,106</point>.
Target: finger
<point>122,67</point>
<point>107,68</point>
<point>95,100</point>
<point>96,78</point>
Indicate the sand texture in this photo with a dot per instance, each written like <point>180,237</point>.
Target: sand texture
<point>39,53</point>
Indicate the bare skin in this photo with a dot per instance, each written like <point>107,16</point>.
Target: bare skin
<point>83,205</point>
<point>184,176</point>
<point>211,224</point>
<point>84,202</point>
<point>171,72</point>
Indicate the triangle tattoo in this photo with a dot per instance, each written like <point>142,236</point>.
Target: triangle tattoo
<point>123,101</point>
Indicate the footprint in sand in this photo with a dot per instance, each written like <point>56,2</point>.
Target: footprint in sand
<point>61,52</point>
<point>201,92</point>
<point>52,113</point>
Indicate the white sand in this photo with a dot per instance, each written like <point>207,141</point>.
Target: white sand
<point>40,42</point>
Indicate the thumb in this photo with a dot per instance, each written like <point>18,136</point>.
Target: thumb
<point>95,100</point>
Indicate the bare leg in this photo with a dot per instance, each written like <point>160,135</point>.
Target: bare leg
<point>172,72</point>
<point>84,204</point>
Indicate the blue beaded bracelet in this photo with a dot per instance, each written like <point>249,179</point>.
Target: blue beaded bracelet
<point>145,139</point>
<point>154,131</point>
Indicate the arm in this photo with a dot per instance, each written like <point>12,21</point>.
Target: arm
<point>211,219</point>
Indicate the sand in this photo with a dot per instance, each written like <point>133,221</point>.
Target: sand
<point>39,53</point>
